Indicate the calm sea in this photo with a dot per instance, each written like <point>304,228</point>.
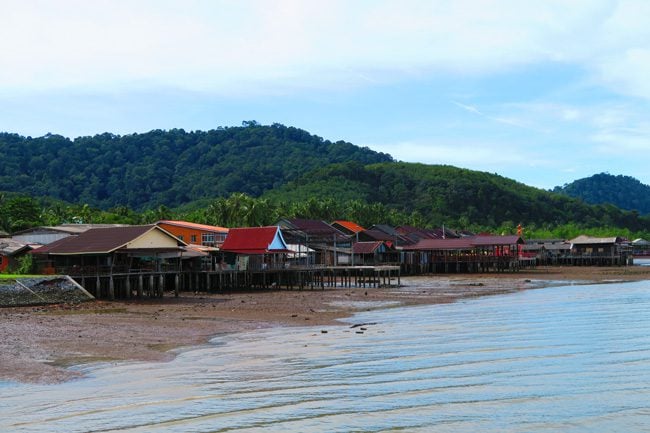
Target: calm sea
<point>562,359</point>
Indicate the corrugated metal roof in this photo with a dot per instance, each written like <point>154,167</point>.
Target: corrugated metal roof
<point>196,226</point>
<point>9,247</point>
<point>315,230</point>
<point>255,240</point>
<point>417,233</point>
<point>588,240</point>
<point>366,247</point>
<point>349,225</point>
<point>487,240</point>
<point>466,243</point>
<point>72,229</point>
<point>442,244</point>
<point>98,241</point>
<point>378,235</point>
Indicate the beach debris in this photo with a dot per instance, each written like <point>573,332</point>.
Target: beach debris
<point>294,315</point>
<point>323,331</point>
<point>359,332</point>
<point>364,329</point>
<point>358,325</point>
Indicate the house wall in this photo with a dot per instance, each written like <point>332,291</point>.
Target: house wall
<point>153,239</point>
<point>4,262</point>
<point>193,236</point>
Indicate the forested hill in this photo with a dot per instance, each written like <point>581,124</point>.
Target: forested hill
<point>455,196</point>
<point>167,167</point>
<point>622,191</point>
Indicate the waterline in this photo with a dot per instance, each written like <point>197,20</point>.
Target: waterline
<point>573,358</point>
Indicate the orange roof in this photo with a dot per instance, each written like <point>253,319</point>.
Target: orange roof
<point>196,226</point>
<point>353,227</point>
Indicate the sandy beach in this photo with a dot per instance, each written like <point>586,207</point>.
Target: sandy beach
<point>40,343</point>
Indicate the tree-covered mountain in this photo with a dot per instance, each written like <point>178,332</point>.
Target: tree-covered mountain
<point>624,192</point>
<point>253,175</point>
<point>455,196</point>
<point>167,168</point>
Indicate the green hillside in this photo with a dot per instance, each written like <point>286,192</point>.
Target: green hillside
<point>254,174</point>
<point>624,192</point>
<point>167,168</point>
<point>445,194</point>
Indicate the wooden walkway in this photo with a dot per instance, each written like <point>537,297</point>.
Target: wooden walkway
<point>154,284</point>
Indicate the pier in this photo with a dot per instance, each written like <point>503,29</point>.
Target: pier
<point>127,285</point>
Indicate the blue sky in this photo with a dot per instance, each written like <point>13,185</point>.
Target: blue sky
<point>541,93</point>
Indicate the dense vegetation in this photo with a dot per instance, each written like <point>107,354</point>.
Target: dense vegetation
<point>454,196</point>
<point>167,168</point>
<point>254,175</point>
<point>624,192</point>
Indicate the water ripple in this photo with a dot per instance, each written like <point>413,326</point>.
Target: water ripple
<point>570,359</point>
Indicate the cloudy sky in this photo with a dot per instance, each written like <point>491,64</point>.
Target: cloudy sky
<point>541,92</point>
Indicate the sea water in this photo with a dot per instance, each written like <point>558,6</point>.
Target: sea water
<point>562,359</point>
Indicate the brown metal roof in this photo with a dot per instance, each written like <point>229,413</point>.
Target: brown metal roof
<point>491,240</point>
<point>314,229</point>
<point>467,243</point>
<point>97,241</point>
<point>442,244</point>
<point>366,247</point>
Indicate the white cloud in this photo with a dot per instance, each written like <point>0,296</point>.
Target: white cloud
<point>230,46</point>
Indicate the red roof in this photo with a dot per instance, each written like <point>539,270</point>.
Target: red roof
<point>196,226</point>
<point>349,225</point>
<point>255,240</point>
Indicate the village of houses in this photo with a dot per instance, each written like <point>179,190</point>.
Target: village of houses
<point>117,261</point>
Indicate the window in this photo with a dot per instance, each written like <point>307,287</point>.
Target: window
<point>193,238</point>
<point>180,237</point>
<point>207,239</point>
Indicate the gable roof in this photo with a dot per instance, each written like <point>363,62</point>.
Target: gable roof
<point>190,225</point>
<point>368,247</point>
<point>101,240</point>
<point>255,240</point>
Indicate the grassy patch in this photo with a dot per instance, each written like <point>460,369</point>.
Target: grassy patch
<point>16,276</point>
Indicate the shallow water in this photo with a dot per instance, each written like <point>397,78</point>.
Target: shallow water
<point>568,359</point>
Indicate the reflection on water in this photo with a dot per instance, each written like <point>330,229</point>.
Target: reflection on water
<point>564,359</point>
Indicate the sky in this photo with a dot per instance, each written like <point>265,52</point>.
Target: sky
<point>540,92</point>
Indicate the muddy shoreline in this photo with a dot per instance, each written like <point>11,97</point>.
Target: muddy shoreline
<point>39,343</point>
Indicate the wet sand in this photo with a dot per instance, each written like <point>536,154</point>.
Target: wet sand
<point>39,343</point>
